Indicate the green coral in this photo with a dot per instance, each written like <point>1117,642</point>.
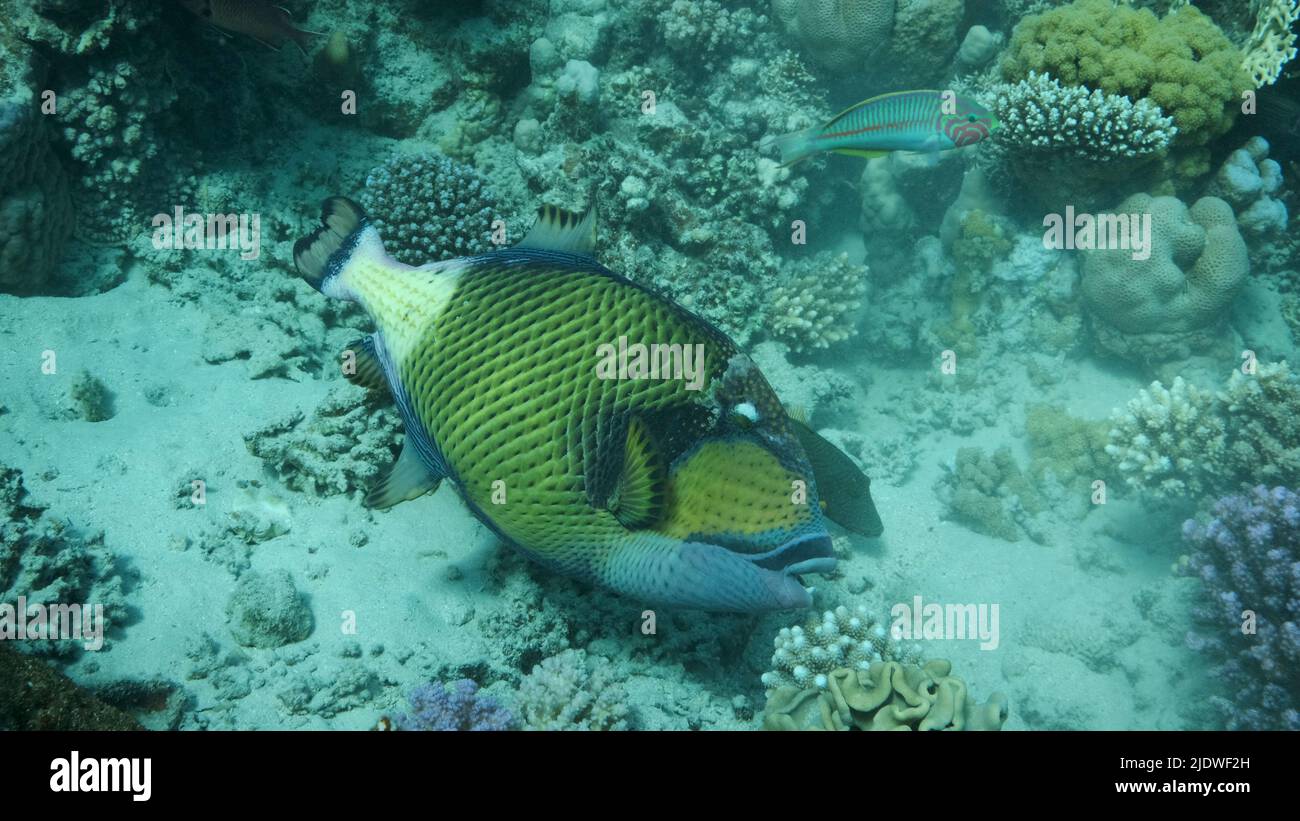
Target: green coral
<point>991,494</point>
<point>1182,62</point>
<point>1071,448</point>
<point>886,696</point>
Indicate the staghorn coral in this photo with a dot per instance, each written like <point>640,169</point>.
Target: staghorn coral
<point>815,303</point>
<point>838,34</point>
<point>429,207</point>
<point>1272,43</point>
<point>455,707</point>
<point>885,696</point>
<point>1182,62</point>
<point>1248,559</point>
<point>1170,442</point>
<point>804,656</point>
<point>342,447</point>
<point>1178,298</point>
<point>571,691</point>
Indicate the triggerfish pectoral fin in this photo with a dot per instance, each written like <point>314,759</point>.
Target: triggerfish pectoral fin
<point>408,478</point>
<point>631,483</point>
<point>845,490</point>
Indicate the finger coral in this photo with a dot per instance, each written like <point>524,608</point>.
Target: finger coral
<point>804,656</point>
<point>1169,441</point>
<point>886,696</point>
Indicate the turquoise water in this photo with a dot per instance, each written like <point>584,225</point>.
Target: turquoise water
<point>1050,317</point>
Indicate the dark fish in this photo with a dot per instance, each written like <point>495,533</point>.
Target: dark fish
<point>268,24</point>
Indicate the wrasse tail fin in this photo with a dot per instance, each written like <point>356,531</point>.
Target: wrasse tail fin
<point>795,146</point>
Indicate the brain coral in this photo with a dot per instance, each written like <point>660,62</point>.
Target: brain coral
<point>838,34</point>
<point>1182,62</point>
<point>1197,264</point>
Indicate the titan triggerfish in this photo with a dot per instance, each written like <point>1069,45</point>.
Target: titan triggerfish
<point>593,424</point>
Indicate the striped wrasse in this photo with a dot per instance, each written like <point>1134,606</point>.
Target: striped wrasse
<point>922,121</point>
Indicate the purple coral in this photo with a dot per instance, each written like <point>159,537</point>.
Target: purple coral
<point>1248,558</point>
<point>435,706</point>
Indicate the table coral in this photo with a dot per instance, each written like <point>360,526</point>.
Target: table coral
<point>885,696</point>
<point>1179,296</point>
<point>1247,557</point>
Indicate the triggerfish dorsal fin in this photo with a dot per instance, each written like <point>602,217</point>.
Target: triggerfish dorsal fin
<point>407,479</point>
<point>361,364</point>
<point>637,497</point>
<point>340,219</point>
<point>845,490</point>
<point>560,230</point>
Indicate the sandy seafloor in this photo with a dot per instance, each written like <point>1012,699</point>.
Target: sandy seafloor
<point>1075,652</point>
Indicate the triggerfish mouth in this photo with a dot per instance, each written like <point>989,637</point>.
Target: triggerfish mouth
<point>918,121</point>
<point>596,426</point>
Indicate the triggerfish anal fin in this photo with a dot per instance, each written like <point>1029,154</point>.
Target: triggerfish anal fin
<point>560,230</point>
<point>637,497</point>
<point>361,364</point>
<point>408,478</point>
<point>845,489</point>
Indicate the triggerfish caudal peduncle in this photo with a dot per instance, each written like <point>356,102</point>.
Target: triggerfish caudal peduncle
<point>675,479</point>
<point>921,121</point>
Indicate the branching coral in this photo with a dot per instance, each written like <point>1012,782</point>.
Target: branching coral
<point>1272,43</point>
<point>1182,62</point>
<point>572,691</point>
<point>992,495</point>
<point>455,707</point>
<point>428,207</point>
<point>885,696</point>
<point>1263,417</point>
<point>815,305</point>
<point>804,656</point>
<point>1248,558</point>
<point>1169,441</point>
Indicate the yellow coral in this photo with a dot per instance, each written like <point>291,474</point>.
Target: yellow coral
<point>1272,43</point>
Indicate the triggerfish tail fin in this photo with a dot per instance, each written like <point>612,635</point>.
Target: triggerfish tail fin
<point>341,220</point>
<point>796,145</point>
<point>560,230</point>
<point>845,489</point>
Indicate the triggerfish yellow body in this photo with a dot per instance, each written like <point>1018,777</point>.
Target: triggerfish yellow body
<point>920,121</point>
<point>596,426</point>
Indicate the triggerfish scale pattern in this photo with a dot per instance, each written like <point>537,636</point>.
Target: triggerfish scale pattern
<point>923,121</point>
<point>687,486</point>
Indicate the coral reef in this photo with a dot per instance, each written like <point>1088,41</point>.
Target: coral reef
<point>48,561</point>
<point>837,35</point>
<point>816,301</point>
<point>1169,441</point>
<point>887,695</point>
<point>1181,62</point>
<point>343,446</point>
<point>992,495</point>
<point>1156,308</point>
<point>36,216</point>
<point>1250,182</point>
<point>572,691</point>
<point>35,697</point>
<point>458,706</point>
<point>804,656</point>
<point>428,207</point>
<point>1247,557</point>
<point>266,610</point>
